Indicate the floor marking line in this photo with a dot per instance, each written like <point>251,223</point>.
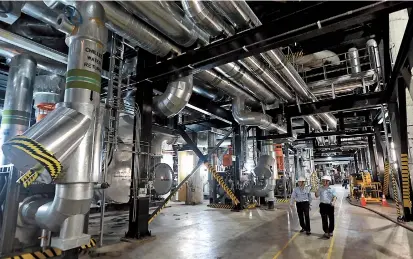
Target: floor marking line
<point>291,239</point>
<point>330,249</point>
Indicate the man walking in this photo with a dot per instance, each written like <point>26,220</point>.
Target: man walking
<point>328,198</point>
<point>302,197</point>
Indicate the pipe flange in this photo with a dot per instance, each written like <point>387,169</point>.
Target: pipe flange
<point>27,210</point>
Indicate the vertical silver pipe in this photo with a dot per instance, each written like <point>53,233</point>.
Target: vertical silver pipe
<point>19,97</point>
<point>354,60</point>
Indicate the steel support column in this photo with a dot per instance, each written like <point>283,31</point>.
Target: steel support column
<point>379,152</point>
<point>212,161</point>
<point>356,165</point>
<point>139,208</point>
<point>373,163</point>
<point>237,164</point>
<point>404,149</point>
<point>10,211</point>
<point>286,168</point>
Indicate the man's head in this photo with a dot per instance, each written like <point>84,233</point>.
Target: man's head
<point>326,180</point>
<point>301,181</point>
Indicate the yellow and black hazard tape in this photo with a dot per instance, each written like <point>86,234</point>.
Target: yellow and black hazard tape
<point>48,253</point>
<point>386,178</point>
<point>221,206</point>
<point>222,183</point>
<point>282,200</point>
<point>40,154</point>
<point>51,252</point>
<point>251,206</point>
<point>395,193</point>
<point>405,181</point>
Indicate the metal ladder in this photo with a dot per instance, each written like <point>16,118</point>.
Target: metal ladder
<point>114,105</point>
<point>114,95</point>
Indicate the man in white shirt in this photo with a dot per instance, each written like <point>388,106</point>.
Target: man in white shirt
<point>328,199</point>
<point>302,196</point>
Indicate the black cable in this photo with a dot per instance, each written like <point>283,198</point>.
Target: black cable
<point>381,214</point>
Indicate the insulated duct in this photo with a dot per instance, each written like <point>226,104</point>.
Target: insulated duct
<point>247,118</point>
<point>68,132</point>
<point>205,19</point>
<point>374,56</point>
<point>275,57</point>
<point>18,99</point>
<point>176,96</point>
<point>165,17</point>
<point>119,21</point>
<point>265,173</point>
<point>224,84</point>
<point>354,60</point>
<point>8,51</point>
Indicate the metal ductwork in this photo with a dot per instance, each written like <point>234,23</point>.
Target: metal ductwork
<point>9,51</point>
<point>224,84</point>
<point>248,118</point>
<point>39,11</point>
<point>208,91</point>
<point>250,83</point>
<point>166,17</point>
<point>176,96</point>
<point>354,60</point>
<point>18,99</point>
<point>374,56</point>
<point>204,18</point>
<point>239,14</point>
<point>119,21</point>
<point>68,133</point>
<point>276,58</point>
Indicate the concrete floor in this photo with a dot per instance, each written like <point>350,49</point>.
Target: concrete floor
<point>189,232</point>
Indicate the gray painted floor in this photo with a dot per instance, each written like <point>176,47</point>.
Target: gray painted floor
<point>198,232</point>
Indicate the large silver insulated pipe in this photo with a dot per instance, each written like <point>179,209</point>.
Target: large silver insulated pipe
<point>119,21</point>
<point>354,60</point>
<point>9,51</point>
<point>70,125</point>
<point>176,96</point>
<point>265,171</point>
<point>18,100</point>
<point>224,84</point>
<point>248,81</point>
<point>374,56</point>
<point>275,57</point>
<point>166,17</point>
<point>248,118</point>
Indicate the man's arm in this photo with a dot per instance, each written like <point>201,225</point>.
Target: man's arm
<point>293,197</point>
<point>317,192</point>
<point>310,199</point>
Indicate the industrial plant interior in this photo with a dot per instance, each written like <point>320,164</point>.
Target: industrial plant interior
<point>185,129</point>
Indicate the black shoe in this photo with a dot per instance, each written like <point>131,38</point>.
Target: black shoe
<point>308,233</point>
<point>326,235</point>
<point>302,231</point>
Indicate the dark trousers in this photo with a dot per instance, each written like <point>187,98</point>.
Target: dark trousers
<point>303,211</point>
<point>327,216</point>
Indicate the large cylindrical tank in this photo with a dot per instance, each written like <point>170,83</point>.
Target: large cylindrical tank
<point>163,178</point>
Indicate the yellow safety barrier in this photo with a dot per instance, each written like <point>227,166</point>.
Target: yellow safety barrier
<point>386,178</point>
<point>34,149</point>
<point>395,193</point>
<point>221,182</point>
<point>50,252</point>
<point>221,206</point>
<point>405,181</point>
<point>282,200</point>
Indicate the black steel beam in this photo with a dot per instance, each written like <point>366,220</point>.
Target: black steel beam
<point>208,107</point>
<point>350,102</point>
<point>372,158</point>
<point>261,39</point>
<point>191,143</point>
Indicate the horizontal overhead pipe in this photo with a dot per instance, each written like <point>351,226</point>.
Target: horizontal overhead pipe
<point>248,118</point>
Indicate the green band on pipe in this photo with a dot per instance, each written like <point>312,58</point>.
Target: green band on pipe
<point>15,117</point>
<point>83,79</point>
